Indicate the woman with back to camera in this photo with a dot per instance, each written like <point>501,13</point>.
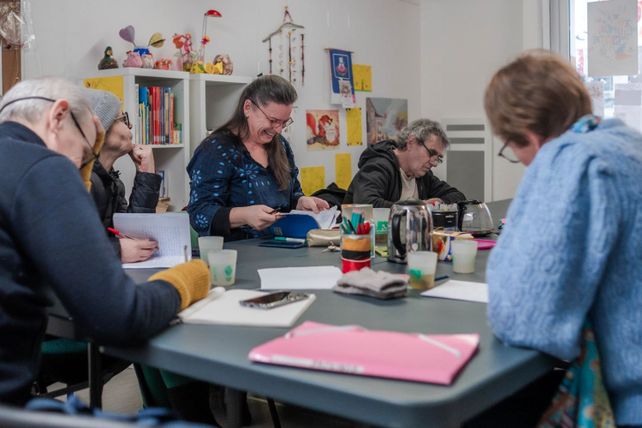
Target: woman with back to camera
<point>244,174</point>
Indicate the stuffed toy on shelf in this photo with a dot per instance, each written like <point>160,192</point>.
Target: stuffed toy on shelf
<point>108,60</point>
<point>146,59</point>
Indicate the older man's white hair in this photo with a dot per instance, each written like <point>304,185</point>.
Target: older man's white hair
<point>32,109</point>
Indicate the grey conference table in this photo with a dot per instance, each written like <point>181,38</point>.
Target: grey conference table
<point>218,354</point>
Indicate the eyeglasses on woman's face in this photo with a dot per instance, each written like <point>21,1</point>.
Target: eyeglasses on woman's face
<point>125,119</point>
<point>274,123</point>
<point>509,156</point>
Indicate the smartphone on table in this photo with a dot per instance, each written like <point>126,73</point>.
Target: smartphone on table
<point>273,300</point>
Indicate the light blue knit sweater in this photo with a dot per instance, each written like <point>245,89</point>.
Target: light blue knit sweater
<point>572,248</point>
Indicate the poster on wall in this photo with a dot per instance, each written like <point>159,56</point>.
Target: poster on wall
<point>353,127</point>
<point>385,117</point>
<point>612,38</point>
<point>343,170</point>
<point>322,129</point>
<point>362,76</point>
<point>312,179</point>
<point>342,82</point>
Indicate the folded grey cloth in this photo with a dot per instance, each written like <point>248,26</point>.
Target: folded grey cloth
<point>382,285</point>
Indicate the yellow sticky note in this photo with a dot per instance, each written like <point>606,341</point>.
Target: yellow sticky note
<point>353,126</point>
<point>113,84</point>
<point>312,179</point>
<point>343,170</point>
<point>362,76</point>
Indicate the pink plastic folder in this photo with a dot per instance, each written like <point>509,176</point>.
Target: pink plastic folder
<point>355,350</point>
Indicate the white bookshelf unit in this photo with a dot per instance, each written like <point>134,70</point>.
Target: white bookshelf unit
<point>213,98</point>
<point>170,158</point>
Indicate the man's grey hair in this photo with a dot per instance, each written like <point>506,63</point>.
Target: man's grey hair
<point>421,129</point>
<point>32,109</point>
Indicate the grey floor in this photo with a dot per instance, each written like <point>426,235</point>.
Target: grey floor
<point>121,395</point>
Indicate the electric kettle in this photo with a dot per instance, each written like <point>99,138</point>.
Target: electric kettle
<point>409,229</point>
<point>475,218</point>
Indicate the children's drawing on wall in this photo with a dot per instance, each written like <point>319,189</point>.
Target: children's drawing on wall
<point>342,82</point>
<point>323,129</point>
<point>385,117</point>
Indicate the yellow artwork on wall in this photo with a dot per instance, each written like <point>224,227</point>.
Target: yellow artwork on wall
<point>343,170</point>
<point>113,84</point>
<point>353,127</point>
<point>362,75</point>
<point>312,179</point>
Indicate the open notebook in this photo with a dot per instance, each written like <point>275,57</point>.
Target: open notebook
<point>355,350</point>
<point>224,308</point>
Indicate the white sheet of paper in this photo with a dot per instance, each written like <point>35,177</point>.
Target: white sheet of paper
<point>299,278</point>
<point>170,230</point>
<point>224,308</point>
<point>326,218</point>
<point>460,290</point>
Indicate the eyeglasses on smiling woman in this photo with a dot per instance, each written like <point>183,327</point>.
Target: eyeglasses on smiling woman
<point>273,121</point>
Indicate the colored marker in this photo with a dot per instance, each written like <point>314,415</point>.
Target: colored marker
<point>118,233</point>
<point>283,238</point>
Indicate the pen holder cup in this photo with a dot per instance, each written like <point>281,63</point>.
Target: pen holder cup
<point>355,252</point>
<point>351,214</point>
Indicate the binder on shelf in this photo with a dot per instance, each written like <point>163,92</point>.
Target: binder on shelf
<point>354,350</point>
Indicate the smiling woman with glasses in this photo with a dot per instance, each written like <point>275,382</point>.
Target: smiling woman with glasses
<point>244,173</point>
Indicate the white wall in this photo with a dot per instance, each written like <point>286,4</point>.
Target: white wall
<point>462,44</point>
<point>72,34</point>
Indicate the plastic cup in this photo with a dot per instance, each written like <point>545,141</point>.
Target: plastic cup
<point>463,252</point>
<point>381,226</point>
<point>222,267</point>
<point>207,244</point>
<point>421,269</point>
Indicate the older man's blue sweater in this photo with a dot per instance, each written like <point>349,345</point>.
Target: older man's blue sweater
<point>572,250</point>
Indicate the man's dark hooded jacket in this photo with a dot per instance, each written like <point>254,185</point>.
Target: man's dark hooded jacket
<point>378,181</point>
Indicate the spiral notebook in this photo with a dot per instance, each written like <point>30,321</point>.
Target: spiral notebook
<point>355,350</point>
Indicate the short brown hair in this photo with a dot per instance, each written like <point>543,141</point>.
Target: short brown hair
<point>538,92</point>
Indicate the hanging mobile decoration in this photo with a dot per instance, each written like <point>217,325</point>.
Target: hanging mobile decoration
<point>288,29</point>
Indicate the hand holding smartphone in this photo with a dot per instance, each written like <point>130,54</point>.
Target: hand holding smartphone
<point>273,300</point>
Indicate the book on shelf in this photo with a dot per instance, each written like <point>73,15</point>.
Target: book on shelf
<point>156,115</point>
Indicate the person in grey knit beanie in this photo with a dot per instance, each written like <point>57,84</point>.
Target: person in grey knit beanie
<point>107,189</point>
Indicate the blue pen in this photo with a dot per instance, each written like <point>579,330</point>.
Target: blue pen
<point>439,278</point>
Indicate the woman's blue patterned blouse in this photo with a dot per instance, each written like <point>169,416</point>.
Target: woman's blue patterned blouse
<point>224,176</point>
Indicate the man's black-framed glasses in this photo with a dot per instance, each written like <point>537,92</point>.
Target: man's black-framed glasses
<point>509,157</point>
<point>73,118</point>
<point>274,122</point>
<point>125,119</point>
<point>439,159</point>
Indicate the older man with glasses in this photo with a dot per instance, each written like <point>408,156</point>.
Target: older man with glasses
<point>396,170</point>
<point>52,239</point>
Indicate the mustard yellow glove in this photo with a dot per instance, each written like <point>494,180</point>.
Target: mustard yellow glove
<point>191,280</point>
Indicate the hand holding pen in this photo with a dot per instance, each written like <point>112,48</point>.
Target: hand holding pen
<point>134,250</point>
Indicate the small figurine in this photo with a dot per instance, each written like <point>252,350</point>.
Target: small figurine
<point>185,55</point>
<point>227,65</point>
<point>133,60</point>
<point>163,64</point>
<point>108,60</point>
<point>156,40</point>
<point>148,60</point>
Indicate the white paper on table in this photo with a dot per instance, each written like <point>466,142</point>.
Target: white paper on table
<point>224,308</point>
<point>460,290</point>
<point>170,230</point>
<point>326,218</point>
<point>299,278</point>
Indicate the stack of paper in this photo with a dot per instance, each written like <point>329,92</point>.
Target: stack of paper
<point>460,290</point>
<point>299,278</point>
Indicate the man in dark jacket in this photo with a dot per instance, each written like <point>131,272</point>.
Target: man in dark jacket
<point>52,240</point>
<point>390,171</point>
<point>108,190</point>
